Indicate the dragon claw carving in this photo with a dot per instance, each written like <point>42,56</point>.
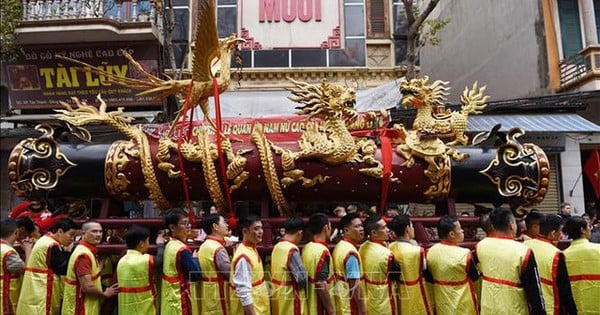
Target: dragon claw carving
<point>331,143</point>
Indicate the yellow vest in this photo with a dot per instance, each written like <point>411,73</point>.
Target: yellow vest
<point>42,289</point>
<point>342,251</point>
<point>376,261</point>
<point>213,290</point>
<point>175,295</point>
<point>583,266</point>
<point>454,292</point>
<point>287,298</point>
<point>9,285</point>
<point>260,293</point>
<point>501,261</point>
<point>413,295</point>
<point>74,300</point>
<point>546,258</point>
<point>135,276</point>
<point>313,257</point>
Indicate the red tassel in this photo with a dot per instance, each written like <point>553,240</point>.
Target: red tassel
<point>220,151</point>
<point>232,221</point>
<point>386,160</point>
<point>191,215</point>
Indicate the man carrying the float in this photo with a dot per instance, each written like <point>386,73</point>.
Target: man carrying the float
<point>135,272</point>
<point>583,265</point>
<point>11,266</point>
<point>215,264</point>
<point>378,266</point>
<point>288,275</point>
<point>251,296</point>
<point>453,270</point>
<point>319,267</point>
<point>347,267</point>
<point>551,266</point>
<point>413,295</point>
<point>83,293</point>
<point>180,266</point>
<point>510,283</point>
<point>42,289</point>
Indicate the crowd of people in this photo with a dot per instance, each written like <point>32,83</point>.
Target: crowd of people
<point>375,267</point>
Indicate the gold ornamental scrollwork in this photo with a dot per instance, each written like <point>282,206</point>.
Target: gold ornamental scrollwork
<point>268,164</point>
<point>150,180</point>
<point>45,165</point>
<point>521,172</point>
<point>117,159</point>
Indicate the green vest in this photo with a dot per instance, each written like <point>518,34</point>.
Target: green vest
<point>583,266</point>
<point>175,293</point>
<point>453,290</point>
<point>413,293</point>
<point>135,276</point>
<point>42,289</point>
<point>501,261</point>
<point>74,300</point>
<point>376,261</point>
<point>287,298</point>
<point>260,292</point>
<point>9,285</point>
<point>213,291</point>
<point>313,257</point>
<point>546,258</point>
<point>341,253</point>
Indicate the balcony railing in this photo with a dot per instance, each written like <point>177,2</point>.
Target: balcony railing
<point>121,11</point>
<point>578,69</point>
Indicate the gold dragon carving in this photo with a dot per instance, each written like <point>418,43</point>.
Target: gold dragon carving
<point>116,162</point>
<point>206,152</point>
<point>211,59</point>
<point>332,144</point>
<point>424,140</point>
<point>85,114</point>
<point>264,146</point>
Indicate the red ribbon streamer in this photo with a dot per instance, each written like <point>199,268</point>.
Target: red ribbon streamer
<point>186,191</point>
<point>385,136</point>
<point>221,157</point>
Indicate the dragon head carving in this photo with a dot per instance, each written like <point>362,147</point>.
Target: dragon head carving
<point>417,92</point>
<point>324,100</point>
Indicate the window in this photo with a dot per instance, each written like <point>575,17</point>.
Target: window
<point>181,33</point>
<point>377,25</point>
<point>351,54</point>
<point>400,31</point>
<point>570,29</point>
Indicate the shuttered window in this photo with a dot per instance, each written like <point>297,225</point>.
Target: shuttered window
<point>570,29</point>
<point>377,12</point>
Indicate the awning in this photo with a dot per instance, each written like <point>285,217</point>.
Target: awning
<point>562,122</point>
<point>276,103</point>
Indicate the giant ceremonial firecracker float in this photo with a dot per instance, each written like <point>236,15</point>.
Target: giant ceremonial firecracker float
<point>337,155</point>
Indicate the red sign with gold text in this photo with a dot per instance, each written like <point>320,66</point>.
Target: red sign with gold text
<point>40,80</point>
<point>280,128</point>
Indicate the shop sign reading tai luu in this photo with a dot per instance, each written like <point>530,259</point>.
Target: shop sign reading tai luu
<point>40,80</point>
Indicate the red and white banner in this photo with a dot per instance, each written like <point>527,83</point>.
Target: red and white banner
<point>279,128</point>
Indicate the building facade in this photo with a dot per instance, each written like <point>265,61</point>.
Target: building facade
<point>544,51</point>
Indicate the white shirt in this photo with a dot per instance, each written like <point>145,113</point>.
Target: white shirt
<point>242,280</point>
